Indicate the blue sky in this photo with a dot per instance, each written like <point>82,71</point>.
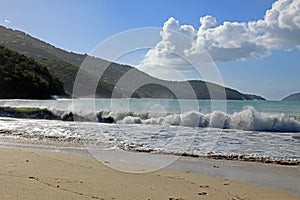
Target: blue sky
<point>79,26</point>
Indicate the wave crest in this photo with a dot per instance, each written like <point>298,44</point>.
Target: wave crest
<point>248,119</point>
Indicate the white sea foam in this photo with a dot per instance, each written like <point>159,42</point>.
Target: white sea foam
<point>247,119</point>
<point>132,120</point>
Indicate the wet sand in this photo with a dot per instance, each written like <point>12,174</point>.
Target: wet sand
<point>279,177</point>
<point>36,174</point>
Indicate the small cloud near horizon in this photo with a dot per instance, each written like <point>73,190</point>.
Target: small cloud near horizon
<point>6,21</point>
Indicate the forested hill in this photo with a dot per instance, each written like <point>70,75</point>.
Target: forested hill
<point>23,77</point>
<point>292,97</point>
<point>65,65</point>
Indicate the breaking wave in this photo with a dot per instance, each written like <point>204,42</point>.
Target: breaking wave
<point>248,119</point>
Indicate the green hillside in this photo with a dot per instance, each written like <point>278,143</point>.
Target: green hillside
<point>292,97</point>
<point>65,66</point>
<point>23,77</point>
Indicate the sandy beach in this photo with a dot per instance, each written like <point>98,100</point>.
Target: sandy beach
<point>35,174</point>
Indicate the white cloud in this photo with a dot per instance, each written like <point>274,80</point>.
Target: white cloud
<point>230,41</point>
<point>280,28</point>
<point>6,21</point>
<point>207,22</point>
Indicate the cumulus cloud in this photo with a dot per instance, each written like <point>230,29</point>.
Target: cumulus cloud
<point>167,58</point>
<point>230,41</point>
<point>280,28</point>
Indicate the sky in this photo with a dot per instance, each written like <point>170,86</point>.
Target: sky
<point>253,44</point>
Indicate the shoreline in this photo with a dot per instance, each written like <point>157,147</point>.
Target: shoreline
<point>211,156</point>
<point>217,172</point>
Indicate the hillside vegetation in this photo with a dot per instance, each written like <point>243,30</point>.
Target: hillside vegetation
<point>292,97</point>
<point>65,65</point>
<point>23,77</point>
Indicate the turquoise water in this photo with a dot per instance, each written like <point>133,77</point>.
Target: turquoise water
<point>160,105</point>
<point>207,106</point>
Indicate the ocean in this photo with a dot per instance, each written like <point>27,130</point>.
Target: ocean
<point>263,131</point>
